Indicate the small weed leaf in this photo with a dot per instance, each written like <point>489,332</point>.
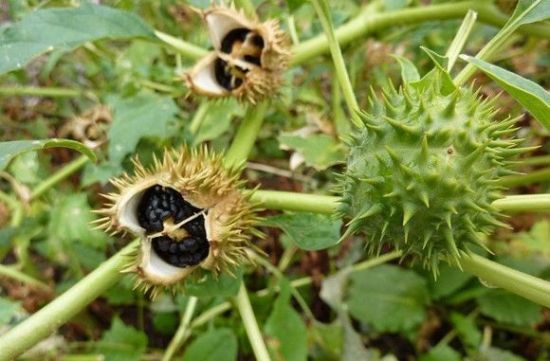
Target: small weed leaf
<point>215,345</point>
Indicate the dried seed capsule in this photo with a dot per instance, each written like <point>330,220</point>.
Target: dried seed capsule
<point>188,211</point>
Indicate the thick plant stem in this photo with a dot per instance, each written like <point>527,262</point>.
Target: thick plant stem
<point>367,22</point>
<point>58,176</point>
<point>49,318</point>
<point>246,135</point>
<point>183,330</point>
<point>300,202</point>
<point>323,11</point>
<point>251,325</point>
<point>524,203</point>
<point>524,285</point>
<point>186,49</point>
<point>290,201</point>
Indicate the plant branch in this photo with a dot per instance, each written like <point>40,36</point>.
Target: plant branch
<point>186,49</point>
<point>41,91</point>
<point>524,203</point>
<point>251,325</point>
<point>368,22</point>
<point>58,176</point>
<point>524,285</point>
<point>246,135</point>
<point>50,317</point>
<point>11,272</point>
<point>323,12</point>
<point>183,330</point>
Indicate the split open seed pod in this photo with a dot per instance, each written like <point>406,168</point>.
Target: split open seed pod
<point>248,60</point>
<point>90,127</point>
<point>190,215</point>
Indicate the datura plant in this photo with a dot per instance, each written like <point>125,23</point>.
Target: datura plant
<point>423,171</point>
<point>248,60</point>
<point>188,211</point>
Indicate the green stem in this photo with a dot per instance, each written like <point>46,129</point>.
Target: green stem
<point>536,176</point>
<point>48,319</point>
<point>15,274</point>
<point>367,23</point>
<point>300,202</point>
<point>246,135</point>
<point>524,203</point>
<point>41,91</point>
<point>251,325</point>
<point>198,118</point>
<point>183,330</point>
<point>217,310</point>
<point>290,201</point>
<point>496,44</point>
<point>186,49</point>
<point>323,11</point>
<point>247,6</point>
<point>524,285</point>
<point>58,176</point>
<point>16,207</point>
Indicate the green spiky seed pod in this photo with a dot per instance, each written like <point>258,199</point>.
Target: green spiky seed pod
<point>423,172</point>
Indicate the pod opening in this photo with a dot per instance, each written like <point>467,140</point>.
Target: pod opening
<point>176,227</point>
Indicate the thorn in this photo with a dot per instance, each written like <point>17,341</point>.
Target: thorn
<point>383,232</point>
<point>373,180</point>
<point>393,155</point>
<point>450,108</point>
<point>425,198</point>
<point>474,206</point>
<point>425,150</point>
<point>427,236</point>
<point>370,212</point>
<point>391,194</point>
<point>453,250</point>
<point>406,230</point>
<point>473,156</point>
<point>408,212</point>
<point>399,126</point>
<point>448,220</point>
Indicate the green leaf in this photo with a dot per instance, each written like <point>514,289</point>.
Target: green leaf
<point>529,94</point>
<point>287,329</point>
<point>509,308</point>
<point>448,282</point>
<point>538,238</point>
<point>439,353</point>
<point>11,149</point>
<point>388,298</point>
<point>496,354</point>
<point>216,345</point>
<point>45,30</point>
<point>467,330</point>
<point>294,5</point>
<point>223,285</point>
<point>409,73</point>
<point>122,343</point>
<point>143,115</point>
<point>319,150</point>
<point>530,11</point>
<point>441,62</point>
<point>309,231</point>
<point>8,309</point>
<point>217,120</point>
<point>70,221</point>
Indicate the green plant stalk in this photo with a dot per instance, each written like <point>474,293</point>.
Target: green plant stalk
<point>246,135</point>
<point>198,117</point>
<point>8,271</point>
<point>183,329</point>
<point>368,22</point>
<point>49,318</point>
<point>300,202</point>
<point>323,12</point>
<point>536,176</point>
<point>524,285</point>
<point>16,209</point>
<point>291,201</point>
<point>460,38</point>
<point>496,44</point>
<point>247,7</point>
<point>41,91</point>
<point>58,176</point>
<point>186,49</point>
<point>251,325</point>
<point>524,203</point>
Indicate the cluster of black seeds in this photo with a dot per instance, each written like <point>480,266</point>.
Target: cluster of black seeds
<point>242,44</point>
<point>157,205</point>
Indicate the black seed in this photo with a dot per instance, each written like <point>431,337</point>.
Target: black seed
<point>235,35</point>
<point>258,41</point>
<point>222,76</point>
<point>188,252</point>
<point>253,59</point>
